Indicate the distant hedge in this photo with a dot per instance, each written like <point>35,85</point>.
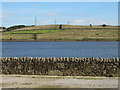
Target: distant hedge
<point>15,27</point>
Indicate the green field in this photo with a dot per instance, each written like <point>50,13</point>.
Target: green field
<point>83,33</point>
<point>35,31</point>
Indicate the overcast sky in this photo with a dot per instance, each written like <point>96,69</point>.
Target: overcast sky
<point>79,13</point>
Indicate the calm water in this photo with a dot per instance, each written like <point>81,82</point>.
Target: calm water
<point>60,49</point>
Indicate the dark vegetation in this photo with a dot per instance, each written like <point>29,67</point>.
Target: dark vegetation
<point>15,27</point>
<point>2,27</point>
<point>104,25</point>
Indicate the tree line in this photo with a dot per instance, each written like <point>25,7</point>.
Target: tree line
<point>14,27</point>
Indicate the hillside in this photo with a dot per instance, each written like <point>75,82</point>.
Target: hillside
<point>67,33</point>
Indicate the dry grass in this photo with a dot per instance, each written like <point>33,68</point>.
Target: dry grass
<point>64,35</point>
<point>63,26</point>
<point>81,35</point>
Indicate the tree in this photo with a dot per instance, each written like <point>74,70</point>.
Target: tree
<point>4,27</point>
<point>15,27</point>
<point>90,25</point>
<point>104,25</point>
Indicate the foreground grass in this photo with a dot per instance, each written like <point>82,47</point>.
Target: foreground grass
<point>62,35</point>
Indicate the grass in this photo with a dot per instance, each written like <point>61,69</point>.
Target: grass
<point>35,31</point>
<point>63,26</point>
<point>27,34</point>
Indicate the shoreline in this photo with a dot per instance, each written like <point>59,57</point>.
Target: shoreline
<point>60,41</point>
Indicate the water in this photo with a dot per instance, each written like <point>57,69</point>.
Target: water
<point>60,49</point>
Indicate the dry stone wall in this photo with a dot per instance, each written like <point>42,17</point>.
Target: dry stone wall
<point>66,66</point>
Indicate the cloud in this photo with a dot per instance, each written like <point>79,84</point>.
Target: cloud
<point>94,21</point>
<point>26,16</point>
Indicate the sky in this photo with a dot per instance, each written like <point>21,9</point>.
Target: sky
<point>60,0</point>
<point>74,13</point>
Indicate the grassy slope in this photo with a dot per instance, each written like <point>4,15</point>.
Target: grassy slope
<point>62,35</point>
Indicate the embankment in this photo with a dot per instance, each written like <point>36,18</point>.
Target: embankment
<point>66,66</point>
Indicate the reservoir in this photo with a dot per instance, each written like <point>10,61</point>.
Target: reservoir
<point>60,49</point>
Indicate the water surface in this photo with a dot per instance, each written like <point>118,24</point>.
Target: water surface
<point>60,49</point>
